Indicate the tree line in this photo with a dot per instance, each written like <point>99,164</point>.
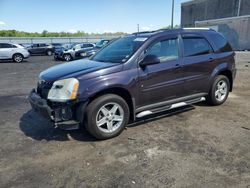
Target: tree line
<point>45,33</point>
<point>15,33</point>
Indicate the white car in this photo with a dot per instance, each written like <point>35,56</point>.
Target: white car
<point>15,52</point>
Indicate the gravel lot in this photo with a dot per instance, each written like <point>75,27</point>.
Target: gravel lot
<point>200,147</point>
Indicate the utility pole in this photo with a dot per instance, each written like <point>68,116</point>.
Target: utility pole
<point>172,20</point>
<point>138,28</point>
<point>239,6</point>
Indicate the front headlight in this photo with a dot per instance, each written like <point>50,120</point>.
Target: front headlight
<point>64,90</point>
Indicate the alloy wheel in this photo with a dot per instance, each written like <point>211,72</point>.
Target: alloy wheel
<point>67,57</point>
<point>110,117</point>
<point>18,58</point>
<point>221,90</point>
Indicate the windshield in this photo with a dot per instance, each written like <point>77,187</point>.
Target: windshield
<point>99,43</point>
<point>120,50</point>
<point>78,46</point>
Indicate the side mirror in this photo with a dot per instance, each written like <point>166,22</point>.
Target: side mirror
<point>149,60</point>
<point>74,49</point>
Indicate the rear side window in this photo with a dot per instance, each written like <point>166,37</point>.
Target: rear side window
<point>87,45</point>
<point>5,45</point>
<point>221,43</point>
<point>165,50</point>
<point>194,46</point>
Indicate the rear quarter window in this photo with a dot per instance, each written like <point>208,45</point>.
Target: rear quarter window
<point>221,44</point>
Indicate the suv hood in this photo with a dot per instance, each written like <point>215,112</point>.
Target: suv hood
<point>74,69</point>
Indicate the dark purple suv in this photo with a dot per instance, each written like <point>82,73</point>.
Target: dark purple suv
<point>135,76</point>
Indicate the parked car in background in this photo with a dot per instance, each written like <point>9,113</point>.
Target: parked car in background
<point>15,52</point>
<point>135,76</point>
<point>56,46</point>
<point>84,53</point>
<point>41,49</point>
<point>102,43</point>
<point>58,54</point>
<point>70,54</point>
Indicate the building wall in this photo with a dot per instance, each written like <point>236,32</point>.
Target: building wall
<point>200,10</point>
<point>235,29</point>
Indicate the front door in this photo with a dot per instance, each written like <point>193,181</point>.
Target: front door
<point>163,81</point>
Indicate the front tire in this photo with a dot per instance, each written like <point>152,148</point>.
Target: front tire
<point>107,116</point>
<point>219,91</point>
<point>67,57</point>
<point>18,58</point>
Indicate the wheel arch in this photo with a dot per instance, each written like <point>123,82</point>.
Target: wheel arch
<point>222,69</point>
<point>122,92</point>
<point>229,75</point>
<point>16,54</point>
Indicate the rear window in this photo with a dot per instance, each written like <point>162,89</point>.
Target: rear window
<point>194,46</point>
<point>221,43</point>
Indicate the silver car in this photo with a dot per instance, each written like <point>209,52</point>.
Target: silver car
<point>73,53</point>
<point>15,52</point>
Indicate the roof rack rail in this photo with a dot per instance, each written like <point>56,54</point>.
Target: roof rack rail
<point>141,32</point>
<point>196,28</point>
<point>158,30</point>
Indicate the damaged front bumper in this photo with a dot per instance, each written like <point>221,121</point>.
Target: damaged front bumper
<point>68,115</point>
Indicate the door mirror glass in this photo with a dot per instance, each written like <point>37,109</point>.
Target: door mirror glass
<point>149,60</point>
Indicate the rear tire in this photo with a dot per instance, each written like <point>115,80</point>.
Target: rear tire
<point>107,116</point>
<point>18,58</point>
<point>219,91</point>
<point>49,52</point>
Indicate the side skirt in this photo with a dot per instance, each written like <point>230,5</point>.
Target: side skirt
<point>169,107</point>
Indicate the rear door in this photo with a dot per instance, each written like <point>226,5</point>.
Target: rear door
<point>6,50</point>
<point>42,48</point>
<point>197,63</point>
<point>163,81</point>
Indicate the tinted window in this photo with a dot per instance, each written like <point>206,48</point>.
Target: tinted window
<point>120,50</point>
<point>42,45</point>
<point>5,45</point>
<point>221,43</point>
<point>165,50</point>
<point>87,45</point>
<point>35,45</point>
<point>194,46</point>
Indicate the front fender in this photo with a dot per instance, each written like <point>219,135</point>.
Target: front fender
<point>124,79</point>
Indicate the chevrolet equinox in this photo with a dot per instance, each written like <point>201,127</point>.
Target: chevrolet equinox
<point>135,76</point>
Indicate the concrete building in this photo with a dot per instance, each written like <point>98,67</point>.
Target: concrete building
<point>200,10</point>
<point>230,17</point>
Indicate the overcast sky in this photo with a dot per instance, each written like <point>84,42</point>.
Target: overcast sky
<point>87,15</point>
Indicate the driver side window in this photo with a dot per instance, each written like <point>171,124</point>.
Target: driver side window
<point>165,50</point>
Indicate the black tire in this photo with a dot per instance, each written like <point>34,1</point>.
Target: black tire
<point>93,109</point>
<point>67,57</point>
<point>49,52</point>
<point>211,98</point>
<point>18,58</point>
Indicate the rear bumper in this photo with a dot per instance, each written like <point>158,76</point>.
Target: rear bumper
<point>67,116</point>
<point>26,56</point>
